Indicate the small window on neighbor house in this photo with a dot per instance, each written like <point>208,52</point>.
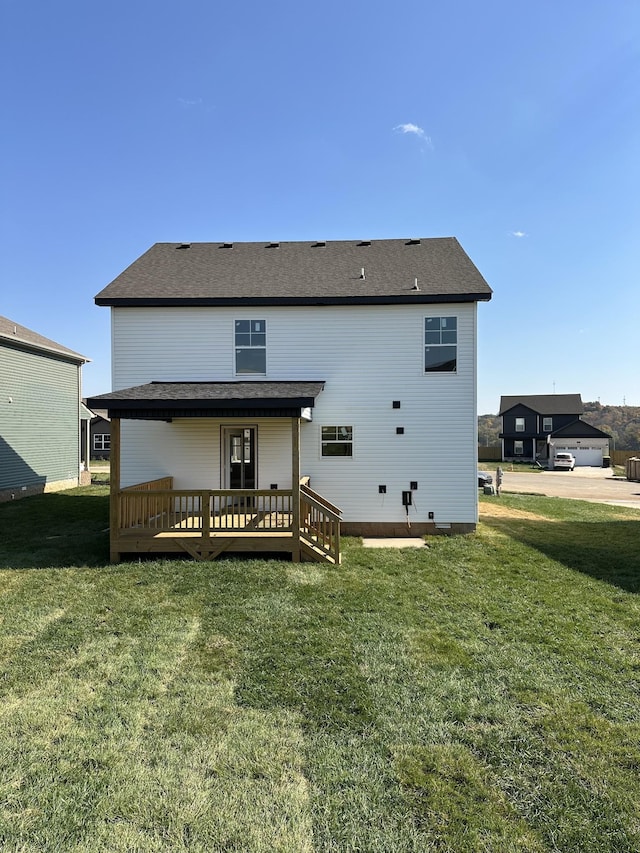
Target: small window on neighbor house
<point>337,441</point>
<point>547,425</point>
<point>519,424</point>
<point>101,441</point>
<point>518,448</point>
<point>251,346</point>
<point>440,344</point>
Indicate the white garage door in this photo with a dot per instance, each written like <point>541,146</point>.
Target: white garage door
<point>585,455</point>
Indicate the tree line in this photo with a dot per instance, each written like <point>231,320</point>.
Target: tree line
<point>622,423</point>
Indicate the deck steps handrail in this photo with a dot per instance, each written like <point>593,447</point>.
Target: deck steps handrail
<point>319,525</point>
<point>151,485</point>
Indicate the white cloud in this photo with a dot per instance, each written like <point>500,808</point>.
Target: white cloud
<point>417,131</point>
<point>518,234</point>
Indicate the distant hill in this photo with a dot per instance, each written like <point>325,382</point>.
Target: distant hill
<point>621,422</point>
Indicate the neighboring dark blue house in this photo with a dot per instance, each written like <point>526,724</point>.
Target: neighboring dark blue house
<point>537,426</point>
<point>99,439</point>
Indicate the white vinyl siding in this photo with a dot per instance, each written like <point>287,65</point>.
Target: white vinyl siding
<point>368,356</point>
<point>189,450</point>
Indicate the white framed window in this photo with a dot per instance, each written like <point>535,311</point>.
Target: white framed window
<point>440,344</point>
<point>519,424</point>
<point>547,425</point>
<point>337,441</point>
<point>518,448</point>
<point>101,441</point>
<point>251,346</point>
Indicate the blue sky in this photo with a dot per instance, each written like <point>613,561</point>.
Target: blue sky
<point>514,127</point>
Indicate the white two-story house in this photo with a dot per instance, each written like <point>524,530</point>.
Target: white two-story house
<point>273,388</point>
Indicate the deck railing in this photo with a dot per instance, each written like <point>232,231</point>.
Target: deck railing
<point>204,510</point>
<point>155,507</point>
<point>134,511</point>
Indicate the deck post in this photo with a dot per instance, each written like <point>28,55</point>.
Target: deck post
<point>114,490</point>
<point>205,514</point>
<point>295,486</point>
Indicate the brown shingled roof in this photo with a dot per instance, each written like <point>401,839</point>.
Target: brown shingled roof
<point>18,335</point>
<point>298,273</point>
<point>218,392</point>
<point>209,399</point>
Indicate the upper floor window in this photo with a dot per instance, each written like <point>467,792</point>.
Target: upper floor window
<point>251,346</point>
<point>440,344</point>
<point>547,425</point>
<point>519,424</point>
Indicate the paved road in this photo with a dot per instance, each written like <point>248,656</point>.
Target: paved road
<point>590,484</point>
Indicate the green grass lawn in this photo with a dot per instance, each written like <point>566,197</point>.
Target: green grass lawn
<point>481,694</point>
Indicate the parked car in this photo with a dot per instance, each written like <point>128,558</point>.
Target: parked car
<point>484,479</point>
<point>564,460</point>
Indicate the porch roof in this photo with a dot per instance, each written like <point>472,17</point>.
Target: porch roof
<point>167,400</point>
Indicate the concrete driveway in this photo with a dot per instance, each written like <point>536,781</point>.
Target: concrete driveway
<point>587,484</point>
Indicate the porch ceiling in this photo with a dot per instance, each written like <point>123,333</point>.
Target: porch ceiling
<point>166,400</point>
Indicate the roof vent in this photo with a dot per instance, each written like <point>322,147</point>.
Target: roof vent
<point>364,243</point>
<point>321,244</point>
<point>412,242</point>
<point>226,246</point>
<point>362,275</point>
<point>416,286</point>
<point>184,246</point>
<point>272,246</point>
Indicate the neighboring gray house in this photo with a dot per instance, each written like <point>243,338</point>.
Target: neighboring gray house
<point>40,413</point>
<point>537,426</point>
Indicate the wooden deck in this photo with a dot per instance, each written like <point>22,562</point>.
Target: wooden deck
<point>153,517</point>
